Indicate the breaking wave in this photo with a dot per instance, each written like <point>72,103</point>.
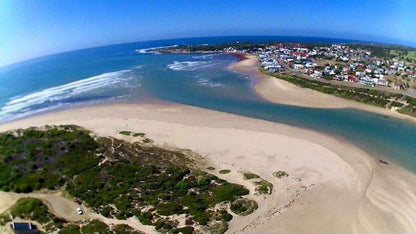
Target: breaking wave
<point>189,65</point>
<point>25,103</point>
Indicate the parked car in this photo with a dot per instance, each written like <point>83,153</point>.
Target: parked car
<point>79,211</point>
<point>78,201</point>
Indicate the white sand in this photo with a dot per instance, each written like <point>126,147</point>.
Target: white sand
<point>342,188</point>
<point>283,92</point>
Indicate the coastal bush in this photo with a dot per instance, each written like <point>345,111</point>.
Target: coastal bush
<point>280,174</point>
<point>224,171</point>
<point>147,140</point>
<point>250,176</point>
<point>95,226</point>
<point>139,134</point>
<point>31,209</point>
<point>124,229</point>
<point>243,206</point>
<point>126,133</point>
<point>216,227</point>
<point>70,229</point>
<point>34,209</point>
<point>184,230</point>
<point>131,178</point>
<point>264,187</point>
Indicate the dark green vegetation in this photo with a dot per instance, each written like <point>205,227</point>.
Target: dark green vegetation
<point>250,176</point>
<point>115,178</point>
<point>35,210</point>
<point>224,171</point>
<point>373,97</point>
<point>124,229</point>
<point>126,133</point>
<point>213,48</point>
<point>95,226</point>
<point>243,206</point>
<point>280,174</point>
<point>263,187</point>
<point>31,159</point>
<point>387,51</point>
<point>130,133</point>
<point>70,229</point>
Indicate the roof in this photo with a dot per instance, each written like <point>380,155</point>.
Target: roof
<point>22,226</point>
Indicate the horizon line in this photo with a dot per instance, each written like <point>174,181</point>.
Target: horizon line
<point>218,36</point>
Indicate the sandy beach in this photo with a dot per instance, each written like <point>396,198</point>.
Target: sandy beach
<point>283,92</point>
<point>332,185</point>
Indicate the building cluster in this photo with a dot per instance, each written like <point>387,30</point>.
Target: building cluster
<point>337,62</point>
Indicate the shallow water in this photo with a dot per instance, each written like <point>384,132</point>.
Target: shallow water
<point>120,73</point>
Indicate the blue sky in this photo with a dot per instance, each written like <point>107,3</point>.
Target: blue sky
<point>32,28</point>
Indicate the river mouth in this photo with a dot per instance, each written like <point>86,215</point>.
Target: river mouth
<point>119,74</point>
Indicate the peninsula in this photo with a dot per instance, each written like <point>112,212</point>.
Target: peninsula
<point>378,75</point>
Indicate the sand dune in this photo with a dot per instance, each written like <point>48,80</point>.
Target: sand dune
<point>332,186</point>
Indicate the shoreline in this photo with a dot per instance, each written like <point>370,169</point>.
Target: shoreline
<point>282,92</point>
<point>341,187</point>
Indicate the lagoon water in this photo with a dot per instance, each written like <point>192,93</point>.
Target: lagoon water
<point>128,73</point>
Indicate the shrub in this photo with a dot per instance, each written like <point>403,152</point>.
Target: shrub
<point>243,206</point>
<point>280,174</point>
<point>224,171</point>
<point>250,176</point>
<point>264,187</point>
<point>70,229</point>
<point>126,133</point>
<point>95,226</point>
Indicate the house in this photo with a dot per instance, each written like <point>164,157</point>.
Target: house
<point>382,82</point>
<point>297,66</point>
<point>24,228</point>
<point>399,85</point>
<point>352,78</point>
<point>367,81</point>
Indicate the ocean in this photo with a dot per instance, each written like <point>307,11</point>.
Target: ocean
<point>129,73</point>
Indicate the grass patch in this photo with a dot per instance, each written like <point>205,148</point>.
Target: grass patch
<point>243,206</point>
<point>224,171</point>
<point>250,176</point>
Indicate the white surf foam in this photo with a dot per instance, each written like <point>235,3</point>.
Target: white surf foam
<point>189,65</point>
<point>25,102</point>
<point>150,50</point>
<point>209,83</point>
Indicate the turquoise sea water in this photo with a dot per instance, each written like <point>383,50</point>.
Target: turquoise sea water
<point>126,73</point>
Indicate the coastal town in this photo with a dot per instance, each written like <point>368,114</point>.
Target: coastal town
<point>338,62</point>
